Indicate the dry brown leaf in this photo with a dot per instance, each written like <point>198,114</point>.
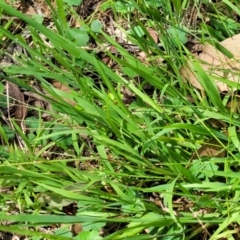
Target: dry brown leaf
<point>216,123</point>
<point>76,229</point>
<point>30,11</point>
<point>20,107</point>
<point>33,7</point>
<point>63,88</point>
<point>106,60</point>
<point>234,105</point>
<point>217,64</point>
<point>142,56</point>
<point>153,34</point>
<point>211,149</point>
<point>121,36</point>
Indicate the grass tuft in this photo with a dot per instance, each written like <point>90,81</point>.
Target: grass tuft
<point>116,143</point>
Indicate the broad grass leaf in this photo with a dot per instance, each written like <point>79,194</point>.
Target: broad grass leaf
<point>208,85</point>
<point>138,31</point>
<point>177,35</point>
<point>134,228</point>
<point>194,129</point>
<point>79,36</point>
<point>123,7</point>
<point>73,2</point>
<point>24,232</point>
<point>56,200</point>
<point>69,194</point>
<point>62,231</point>
<point>232,132</point>
<point>88,235</point>
<point>96,26</point>
<point>199,165</point>
<point>231,5</point>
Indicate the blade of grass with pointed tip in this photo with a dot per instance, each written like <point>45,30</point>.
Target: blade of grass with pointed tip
<point>208,85</point>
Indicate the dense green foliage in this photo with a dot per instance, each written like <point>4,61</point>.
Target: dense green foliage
<point>132,167</point>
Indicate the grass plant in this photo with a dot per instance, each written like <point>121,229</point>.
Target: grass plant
<point>126,167</point>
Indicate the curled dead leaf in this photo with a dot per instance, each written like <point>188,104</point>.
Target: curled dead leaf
<point>216,64</point>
